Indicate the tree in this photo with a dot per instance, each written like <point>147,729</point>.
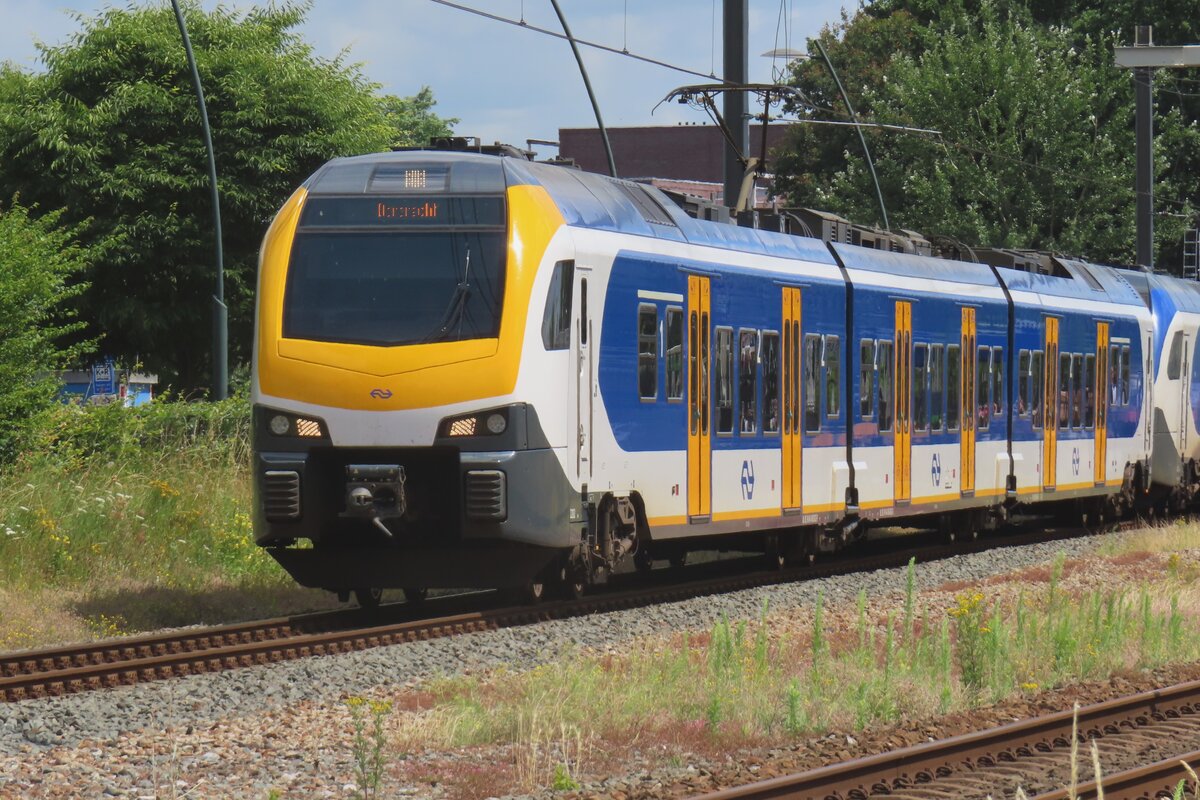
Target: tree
<point>413,120</point>
<point>1036,143</point>
<point>110,134</point>
<point>38,259</point>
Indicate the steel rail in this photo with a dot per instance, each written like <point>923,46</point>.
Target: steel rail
<point>908,768</point>
<point>1142,783</point>
<point>65,670</point>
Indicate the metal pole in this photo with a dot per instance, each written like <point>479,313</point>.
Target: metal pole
<point>1143,78</point>
<point>220,333</point>
<point>857,127</point>
<point>612,164</point>
<point>736,34</point>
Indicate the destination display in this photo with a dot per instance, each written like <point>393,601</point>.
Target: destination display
<point>401,212</point>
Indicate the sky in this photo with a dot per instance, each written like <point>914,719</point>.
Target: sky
<point>502,82</point>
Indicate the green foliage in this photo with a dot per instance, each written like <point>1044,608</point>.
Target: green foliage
<point>38,260</point>
<point>367,746</point>
<point>413,120</point>
<point>1035,143</point>
<point>156,494</point>
<point>110,133</point>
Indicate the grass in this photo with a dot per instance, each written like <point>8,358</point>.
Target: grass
<point>771,680</point>
<point>134,519</point>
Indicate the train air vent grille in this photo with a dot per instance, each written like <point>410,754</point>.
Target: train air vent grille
<point>281,494</point>
<point>486,495</point>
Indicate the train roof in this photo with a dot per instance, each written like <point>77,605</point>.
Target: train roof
<point>599,202</point>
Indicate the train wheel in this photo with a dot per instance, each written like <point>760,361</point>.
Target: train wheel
<point>572,583</point>
<point>414,596</point>
<point>368,598</point>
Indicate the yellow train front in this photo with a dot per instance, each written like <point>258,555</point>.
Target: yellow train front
<point>402,438</point>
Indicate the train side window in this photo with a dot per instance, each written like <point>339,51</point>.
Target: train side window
<point>883,368</point>
<point>1077,391</point>
<point>937,371</point>
<point>1023,383</point>
<point>833,373</point>
<point>556,318</point>
<point>920,369</point>
<point>983,369</point>
<point>1064,390</point>
<point>811,356</point>
<point>1175,360</point>
<point>1037,388</point>
<point>724,380</point>
<point>866,378</point>
<point>770,381</point>
<point>997,381</point>
<point>1114,374</point>
<point>1089,390</point>
<point>674,353</point>
<point>647,338</point>
<point>1125,375</point>
<point>748,382</point>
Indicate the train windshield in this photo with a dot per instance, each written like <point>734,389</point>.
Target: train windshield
<point>396,285</point>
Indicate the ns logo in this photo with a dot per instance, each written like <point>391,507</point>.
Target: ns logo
<point>381,394</point>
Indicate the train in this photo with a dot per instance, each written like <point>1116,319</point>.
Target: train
<point>472,369</point>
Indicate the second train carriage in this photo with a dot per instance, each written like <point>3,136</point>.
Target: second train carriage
<point>517,373</point>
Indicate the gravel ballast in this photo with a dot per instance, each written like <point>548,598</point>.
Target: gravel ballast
<point>201,701</point>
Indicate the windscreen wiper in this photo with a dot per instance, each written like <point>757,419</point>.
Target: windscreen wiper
<point>453,315</point>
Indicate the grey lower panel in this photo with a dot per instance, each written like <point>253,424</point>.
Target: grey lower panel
<point>539,502</point>
<point>480,566</point>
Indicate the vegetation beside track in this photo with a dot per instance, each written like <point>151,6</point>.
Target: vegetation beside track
<point>120,520</point>
<point>786,676</point>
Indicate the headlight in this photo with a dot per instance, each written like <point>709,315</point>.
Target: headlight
<point>281,423</point>
<point>492,422</point>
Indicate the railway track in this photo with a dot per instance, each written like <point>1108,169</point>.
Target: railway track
<point>66,670</point>
<point>1160,728</point>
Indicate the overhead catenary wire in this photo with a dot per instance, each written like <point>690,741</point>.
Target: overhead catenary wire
<point>596,45</point>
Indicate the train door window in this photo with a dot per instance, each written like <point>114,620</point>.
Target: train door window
<point>770,381</point>
<point>647,336</point>
<point>1175,360</point>
<point>833,373</point>
<point>866,378</point>
<point>674,353</point>
<point>953,385</point>
<point>724,380</point>
<point>583,317</point>
<point>920,374</point>
<point>1064,390</point>
<point>1089,390</point>
<point>1037,386</point>
<point>1023,404</point>
<point>1125,375</point>
<point>1114,374</point>
<point>883,368</point>
<point>694,369</point>
<point>937,392</point>
<point>556,318</point>
<point>1077,391</point>
<point>748,382</point>
<point>997,381</point>
<point>812,398</point>
<point>983,380</point>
